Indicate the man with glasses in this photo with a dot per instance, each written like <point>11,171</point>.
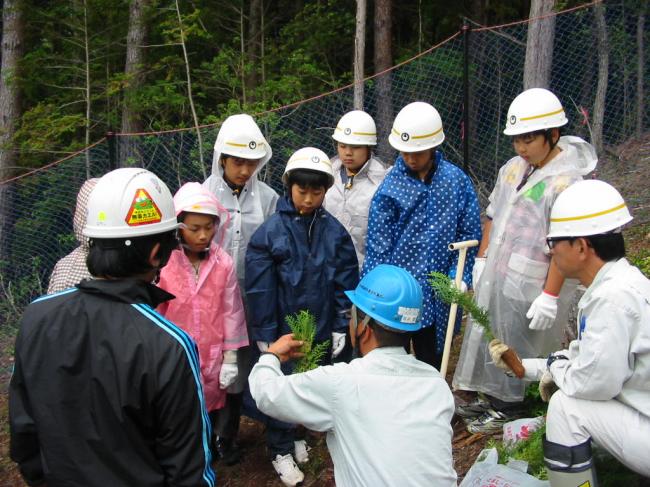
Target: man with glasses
<point>524,293</point>
<point>603,379</point>
<point>387,415</point>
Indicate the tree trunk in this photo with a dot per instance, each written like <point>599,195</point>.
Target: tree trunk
<point>603,66</point>
<point>539,45</point>
<point>640,105</point>
<point>383,60</point>
<point>87,86</point>
<point>253,46</point>
<point>10,110</point>
<point>134,74</point>
<point>359,54</point>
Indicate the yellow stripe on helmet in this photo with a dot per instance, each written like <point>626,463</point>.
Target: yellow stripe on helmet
<point>542,115</point>
<point>592,215</point>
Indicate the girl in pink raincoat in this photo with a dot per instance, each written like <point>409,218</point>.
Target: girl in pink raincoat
<point>208,302</point>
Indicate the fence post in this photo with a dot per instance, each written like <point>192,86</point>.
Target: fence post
<point>112,152</point>
<point>465,29</point>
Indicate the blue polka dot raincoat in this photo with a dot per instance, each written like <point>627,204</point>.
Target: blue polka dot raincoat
<point>411,223</point>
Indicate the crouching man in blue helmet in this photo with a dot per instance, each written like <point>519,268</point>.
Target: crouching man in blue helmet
<point>599,388</point>
<point>387,415</point>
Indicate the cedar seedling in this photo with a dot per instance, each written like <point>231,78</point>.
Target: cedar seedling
<point>447,293</point>
<point>303,327</point>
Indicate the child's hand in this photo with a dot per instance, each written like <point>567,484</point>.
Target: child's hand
<point>286,348</point>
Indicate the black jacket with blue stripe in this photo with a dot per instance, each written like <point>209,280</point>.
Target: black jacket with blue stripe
<point>106,392</point>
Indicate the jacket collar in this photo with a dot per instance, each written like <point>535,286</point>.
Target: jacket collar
<point>129,291</point>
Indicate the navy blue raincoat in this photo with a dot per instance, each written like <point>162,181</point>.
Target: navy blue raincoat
<point>296,262</point>
<point>411,223</point>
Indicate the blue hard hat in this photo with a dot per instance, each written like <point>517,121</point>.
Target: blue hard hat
<point>390,295</point>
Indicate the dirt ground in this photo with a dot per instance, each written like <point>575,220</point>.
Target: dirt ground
<point>627,167</point>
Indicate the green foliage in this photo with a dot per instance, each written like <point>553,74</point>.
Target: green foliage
<point>529,450</point>
<point>303,327</point>
<point>641,259</point>
<point>447,293</point>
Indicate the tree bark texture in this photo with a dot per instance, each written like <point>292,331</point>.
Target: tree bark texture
<point>640,103</point>
<point>539,45</point>
<point>603,67</point>
<point>10,107</point>
<point>253,47</point>
<point>133,69</point>
<point>359,54</point>
<point>383,59</point>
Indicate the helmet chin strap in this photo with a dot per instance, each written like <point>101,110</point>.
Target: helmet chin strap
<point>356,351</point>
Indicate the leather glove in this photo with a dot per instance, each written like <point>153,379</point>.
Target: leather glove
<point>497,348</point>
<point>546,386</point>
<point>263,346</point>
<point>338,343</point>
<point>479,265</point>
<point>542,312</point>
<point>228,375</point>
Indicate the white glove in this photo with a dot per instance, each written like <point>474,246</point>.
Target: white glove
<point>542,312</point>
<point>463,285</point>
<point>338,343</point>
<point>263,346</point>
<point>479,265</point>
<point>228,375</point>
<point>497,348</point>
<point>546,386</point>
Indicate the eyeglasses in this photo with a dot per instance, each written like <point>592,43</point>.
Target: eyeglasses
<point>551,241</point>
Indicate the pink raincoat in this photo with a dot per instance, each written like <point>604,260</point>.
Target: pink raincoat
<point>209,308</point>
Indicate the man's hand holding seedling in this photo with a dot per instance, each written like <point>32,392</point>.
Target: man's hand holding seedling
<point>286,348</point>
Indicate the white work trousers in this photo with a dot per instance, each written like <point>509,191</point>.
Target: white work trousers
<point>612,425</point>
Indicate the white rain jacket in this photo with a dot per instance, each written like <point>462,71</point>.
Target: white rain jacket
<point>516,268</point>
<point>351,206</point>
<point>610,359</point>
<point>373,440</point>
<point>247,212</point>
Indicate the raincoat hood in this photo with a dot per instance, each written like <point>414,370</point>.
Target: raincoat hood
<point>81,211</point>
<point>577,155</point>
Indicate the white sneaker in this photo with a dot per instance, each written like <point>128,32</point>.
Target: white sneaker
<point>301,451</point>
<point>289,473</point>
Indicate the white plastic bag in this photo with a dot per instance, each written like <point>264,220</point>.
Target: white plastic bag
<point>486,472</point>
<point>520,429</point>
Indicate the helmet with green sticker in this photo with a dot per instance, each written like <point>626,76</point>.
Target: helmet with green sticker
<point>129,202</point>
<point>391,296</point>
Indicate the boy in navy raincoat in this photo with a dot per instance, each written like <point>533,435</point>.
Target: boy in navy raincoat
<point>424,204</point>
<point>301,258</point>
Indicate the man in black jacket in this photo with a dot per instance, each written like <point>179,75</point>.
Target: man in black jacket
<point>105,391</point>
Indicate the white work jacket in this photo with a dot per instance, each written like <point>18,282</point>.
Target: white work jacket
<point>610,359</point>
<point>351,206</point>
<point>387,416</point>
<point>247,212</point>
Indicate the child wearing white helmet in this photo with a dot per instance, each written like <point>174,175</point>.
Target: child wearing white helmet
<point>208,302</point>
<point>301,258</point>
<point>514,278</point>
<point>106,391</point>
<point>357,175</point>
<point>424,204</point>
<point>598,389</point>
<point>240,153</point>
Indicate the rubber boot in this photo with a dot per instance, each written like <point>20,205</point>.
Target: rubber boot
<point>569,466</point>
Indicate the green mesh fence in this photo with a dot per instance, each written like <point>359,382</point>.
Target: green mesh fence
<point>42,203</point>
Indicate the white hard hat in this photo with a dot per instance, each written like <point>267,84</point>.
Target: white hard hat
<point>417,127</point>
<point>240,136</point>
<point>194,198</point>
<point>589,207</point>
<point>129,202</point>
<point>534,109</point>
<point>309,158</point>
<point>356,128</point>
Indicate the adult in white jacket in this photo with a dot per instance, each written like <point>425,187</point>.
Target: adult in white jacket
<point>357,175</point>
<point>604,376</point>
<point>240,153</point>
<point>387,415</point>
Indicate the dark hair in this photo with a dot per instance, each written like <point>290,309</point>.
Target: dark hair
<point>547,134</point>
<point>384,336</point>
<point>608,246</point>
<point>306,178</point>
<point>112,257</point>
